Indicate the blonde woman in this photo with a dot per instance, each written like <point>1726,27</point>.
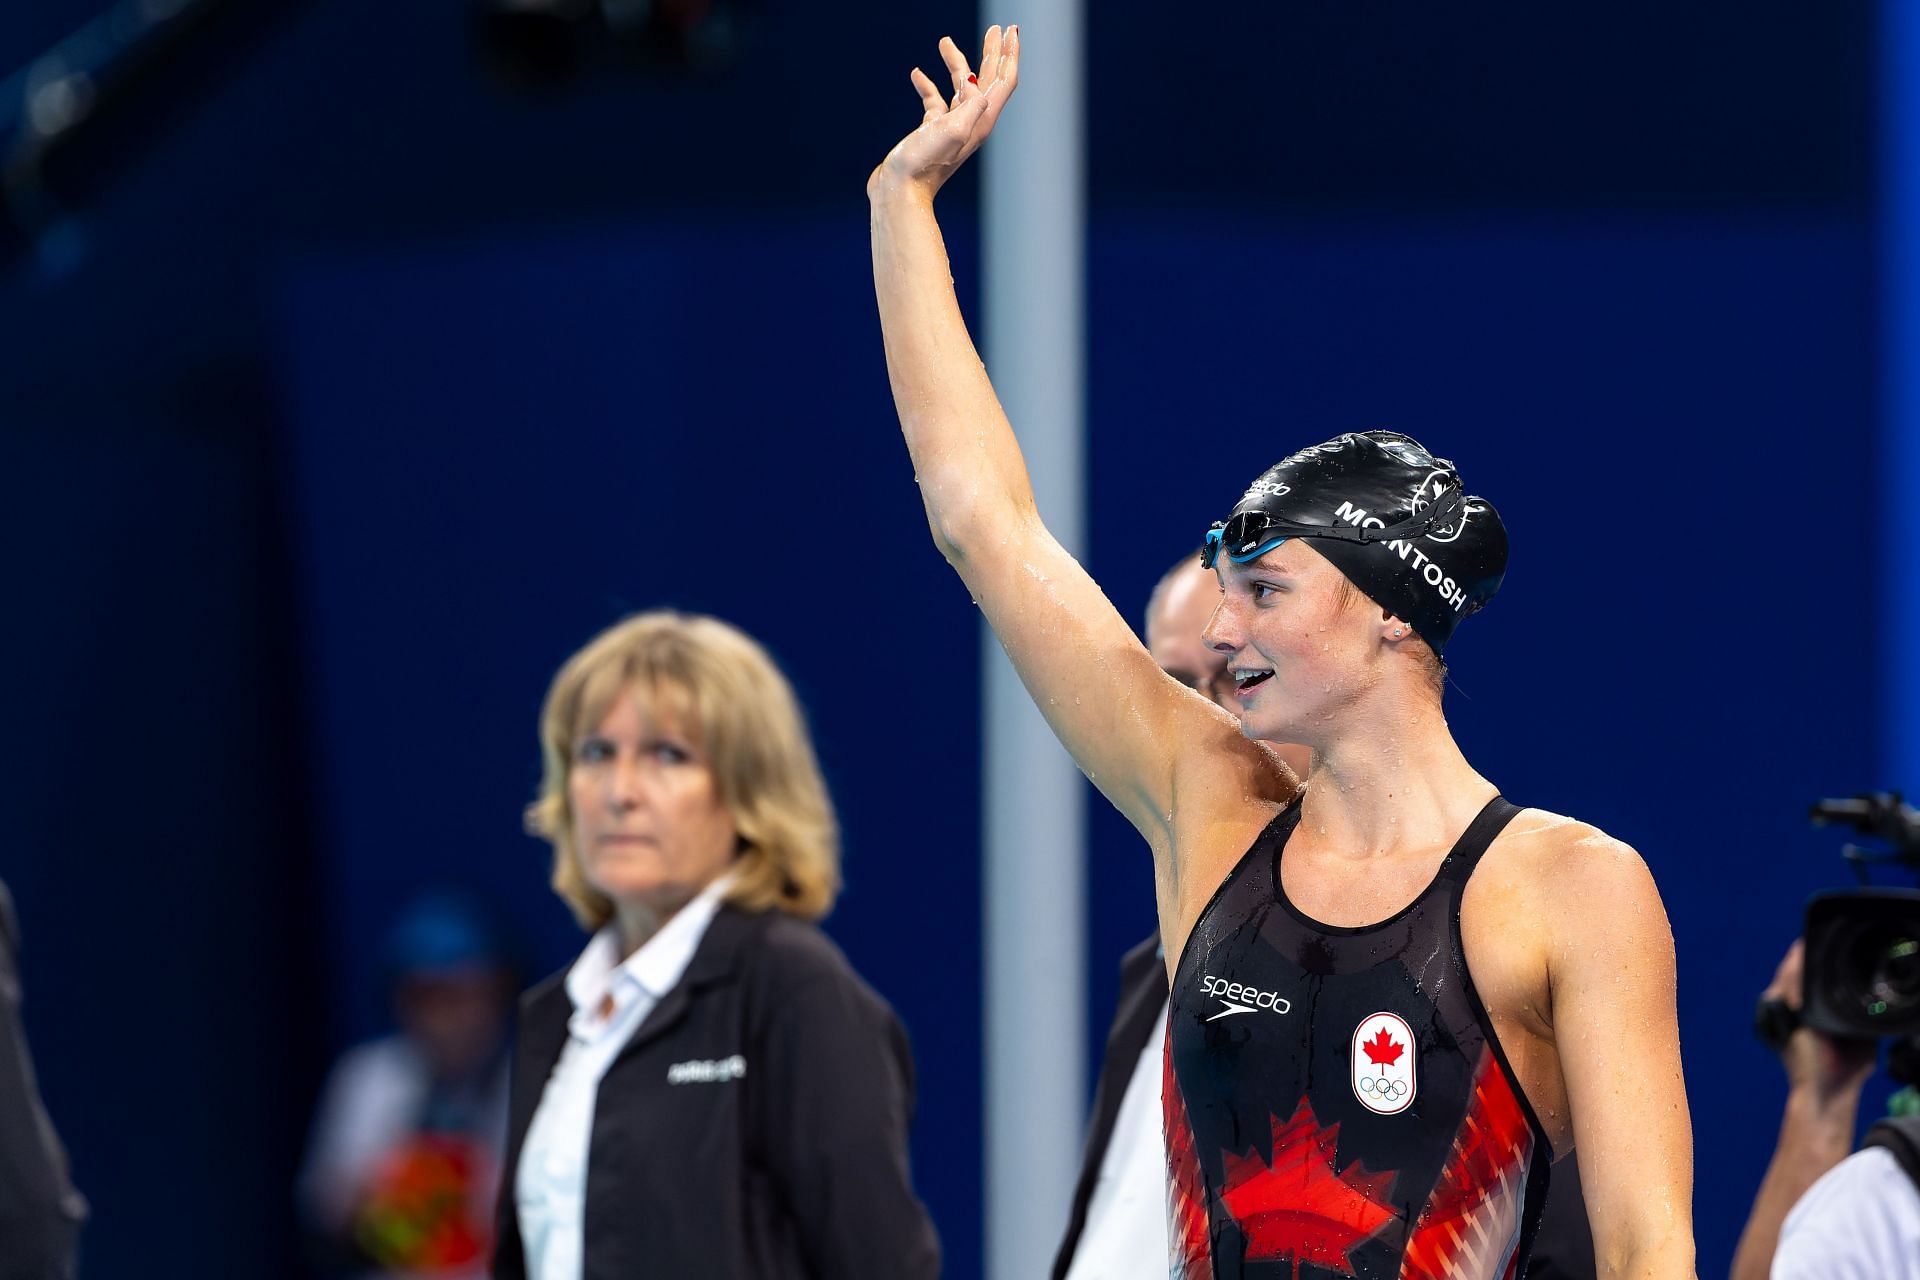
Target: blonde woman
<point>709,1090</point>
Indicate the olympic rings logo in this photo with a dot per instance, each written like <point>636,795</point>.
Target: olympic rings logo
<point>1384,1089</point>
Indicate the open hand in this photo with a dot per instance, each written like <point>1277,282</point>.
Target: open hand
<point>951,130</point>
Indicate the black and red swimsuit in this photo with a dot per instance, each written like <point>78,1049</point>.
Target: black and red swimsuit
<point>1336,1101</point>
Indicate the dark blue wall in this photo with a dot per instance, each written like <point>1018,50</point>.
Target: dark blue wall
<point>156,834</point>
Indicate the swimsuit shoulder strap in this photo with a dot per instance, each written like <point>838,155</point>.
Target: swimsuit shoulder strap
<point>1474,841</point>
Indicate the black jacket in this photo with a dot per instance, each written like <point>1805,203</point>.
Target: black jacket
<point>776,1149</point>
<point>1143,1000</point>
<point>40,1212</point>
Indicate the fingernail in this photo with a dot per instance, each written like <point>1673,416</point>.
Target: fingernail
<point>973,79</point>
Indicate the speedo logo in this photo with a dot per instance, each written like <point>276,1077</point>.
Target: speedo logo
<point>1266,489</point>
<point>1240,998</point>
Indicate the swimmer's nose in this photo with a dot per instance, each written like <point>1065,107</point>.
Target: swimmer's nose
<point>1219,634</point>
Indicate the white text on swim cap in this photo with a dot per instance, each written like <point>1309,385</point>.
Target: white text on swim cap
<point>1436,576</point>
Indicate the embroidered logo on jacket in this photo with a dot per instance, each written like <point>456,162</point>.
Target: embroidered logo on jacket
<point>1384,1075</point>
<point>711,1071</point>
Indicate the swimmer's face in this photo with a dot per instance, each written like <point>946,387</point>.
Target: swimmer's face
<point>1297,652</point>
<point>1173,635</point>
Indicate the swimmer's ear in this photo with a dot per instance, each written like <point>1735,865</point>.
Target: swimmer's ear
<point>1391,628</point>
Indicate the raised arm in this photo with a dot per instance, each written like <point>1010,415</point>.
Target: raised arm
<point>1138,734</point>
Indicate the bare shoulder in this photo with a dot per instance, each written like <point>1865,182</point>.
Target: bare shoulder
<point>1568,853</point>
<point>1574,874</point>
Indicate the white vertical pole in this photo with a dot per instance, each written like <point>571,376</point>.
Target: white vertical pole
<point>1034,249</point>
<point>1900,383</point>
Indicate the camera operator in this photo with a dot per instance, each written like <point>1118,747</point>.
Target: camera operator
<point>1821,1212</point>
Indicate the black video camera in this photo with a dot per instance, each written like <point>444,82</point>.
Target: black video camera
<point>1863,945</point>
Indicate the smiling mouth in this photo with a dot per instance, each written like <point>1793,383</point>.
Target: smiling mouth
<point>1246,681</point>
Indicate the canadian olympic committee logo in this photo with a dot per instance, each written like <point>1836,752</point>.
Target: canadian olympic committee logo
<point>1384,1075</point>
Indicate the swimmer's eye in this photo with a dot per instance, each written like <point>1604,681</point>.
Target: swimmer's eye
<point>593,751</point>
<point>1261,590</point>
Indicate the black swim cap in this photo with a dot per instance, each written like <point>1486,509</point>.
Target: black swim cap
<point>1389,515</point>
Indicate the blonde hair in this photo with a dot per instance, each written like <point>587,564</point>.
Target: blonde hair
<point>714,682</point>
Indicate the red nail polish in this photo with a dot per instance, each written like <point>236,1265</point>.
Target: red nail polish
<point>973,79</point>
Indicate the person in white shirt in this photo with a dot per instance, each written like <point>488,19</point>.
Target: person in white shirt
<point>1859,1221</point>
<point>710,1090</point>
<point>1820,1213</point>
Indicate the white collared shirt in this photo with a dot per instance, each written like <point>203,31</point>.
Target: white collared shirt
<point>1126,1231</point>
<point>550,1184</point>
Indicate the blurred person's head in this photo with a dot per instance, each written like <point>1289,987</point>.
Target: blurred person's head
<point>674,754</point>
<point>453,982</point>
<point>1182,603</point>
<point>1177,612</point>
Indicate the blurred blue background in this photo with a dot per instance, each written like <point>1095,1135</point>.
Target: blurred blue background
<point>362,386</point>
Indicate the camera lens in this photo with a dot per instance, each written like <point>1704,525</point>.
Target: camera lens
<point>1863,963</point>
<point>1882,967</point>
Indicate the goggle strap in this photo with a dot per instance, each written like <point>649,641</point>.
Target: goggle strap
<point>1413,526</point>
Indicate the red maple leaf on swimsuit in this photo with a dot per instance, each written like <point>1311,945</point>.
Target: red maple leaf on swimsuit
<point>1383,1050</point>
<point>1298,1206</point>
